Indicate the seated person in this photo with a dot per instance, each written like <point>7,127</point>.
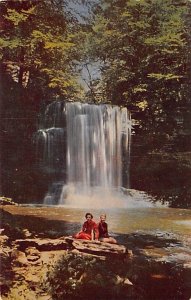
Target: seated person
<point>89,229</point>
<point>103,231</point>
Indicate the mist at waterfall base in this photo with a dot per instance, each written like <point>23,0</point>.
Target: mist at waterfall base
<point>87,146</point>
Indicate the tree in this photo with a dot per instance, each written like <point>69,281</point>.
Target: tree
<point>37,46</point>
<point>143,51</point>
<point>37,65</point>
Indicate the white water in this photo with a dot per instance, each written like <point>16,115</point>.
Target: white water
<point>50,142</point>
<point>96,136</point>
<point>91,144</point>
<point>106,199</point>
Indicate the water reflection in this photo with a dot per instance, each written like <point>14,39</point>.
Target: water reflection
<point>143,223</point>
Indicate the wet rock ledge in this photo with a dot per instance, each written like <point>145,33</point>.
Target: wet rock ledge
<point>96,248</point>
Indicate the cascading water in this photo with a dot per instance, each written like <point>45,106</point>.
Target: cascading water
<point>90,146</point>
<point>94,142</point>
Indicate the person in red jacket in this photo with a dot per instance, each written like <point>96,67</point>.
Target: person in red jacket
<point>103,231</point>
<point>89,229</point>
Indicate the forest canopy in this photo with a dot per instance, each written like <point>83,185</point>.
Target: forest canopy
<point>140,50</point>
<point>38,46</point>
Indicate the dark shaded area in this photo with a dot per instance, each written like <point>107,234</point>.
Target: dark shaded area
<point>142,241</point>
<point>158,279</point>
<point>19,113</point>
<point>7,274</point>
<point>37,226</point>
<point>90,278</point>
<point>6,270</point>
<point>163,174</point>
<point>21,176</point>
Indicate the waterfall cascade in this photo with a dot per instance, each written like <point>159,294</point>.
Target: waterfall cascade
<point>88,147</point>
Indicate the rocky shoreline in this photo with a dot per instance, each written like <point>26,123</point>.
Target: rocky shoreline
<point>28,260</point>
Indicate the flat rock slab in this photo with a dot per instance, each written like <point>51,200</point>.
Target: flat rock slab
<point>41,244</point>
<point>97,247</point>
<point>69,243</point>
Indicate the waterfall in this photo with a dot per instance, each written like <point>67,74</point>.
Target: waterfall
<point>88,146</point>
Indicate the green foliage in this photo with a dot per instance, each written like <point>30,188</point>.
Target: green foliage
<point>38,37</point>
<point>83,277</point>
<point>165,176</point>
<point>142,48</point>
<point>16,17</point>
